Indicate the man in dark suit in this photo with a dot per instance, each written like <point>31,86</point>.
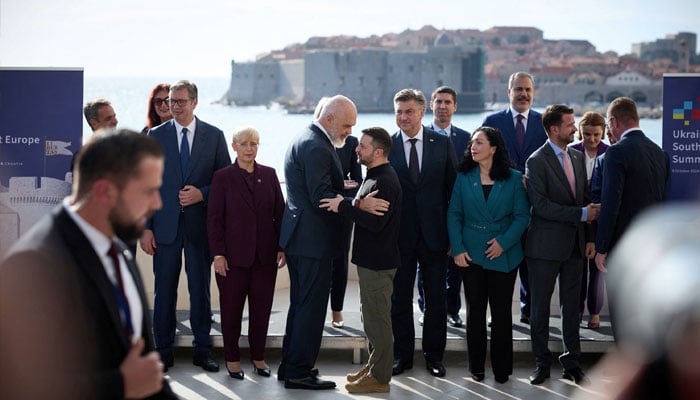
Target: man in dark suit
<point>311,238</point>
<point>194,150</point>
<point>352,174</point>
<point>443,102</point>
<point>72,303</point>
<point>522,130</point>
<point>557,239</point>
<point>425,162</point>
<point>635,177</point>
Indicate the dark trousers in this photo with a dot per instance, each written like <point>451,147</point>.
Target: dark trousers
<point>433,267</point>
<point>592,289</point>
<point>453,286</point>
<point>484,287</point>
<point>543,274</point>
<point>524,283</point>
<point>339,278</point>
<point>310,282</point>
<point>525,296</point>
<point>167,262</point>
<point>256,284</point>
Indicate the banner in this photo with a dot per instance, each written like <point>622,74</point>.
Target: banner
<point>40,129</point>
<point>681,134</point>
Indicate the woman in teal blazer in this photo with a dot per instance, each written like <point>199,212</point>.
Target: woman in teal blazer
<point>487,216</point>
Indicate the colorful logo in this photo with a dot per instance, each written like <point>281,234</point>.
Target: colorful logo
<point>680,113</point>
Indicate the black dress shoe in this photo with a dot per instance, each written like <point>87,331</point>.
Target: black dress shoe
<point>399,367</point>
<point>539,375</point>
<point>168,361</point>
<point>205,361</point>
<point>525,319</point>
<point>280,373</point>
<point>455,320</point>
<point>435,368</point>
<point>575,374</point>
<point>236,374</point>
<point>501,378</point>
<point>478,376</point>
<point>309,383</point>
<point>262,371</point>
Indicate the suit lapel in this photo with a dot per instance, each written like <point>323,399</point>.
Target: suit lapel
<point>555,165</point>
<point>199,143</point>
<point>474,182</point>
<point>326,141</point>
<point>428,151</point>
<point>171,146</point>
<point>239,182</point>
<point>529,132</point>
<point>90,263</point>
<point>136,276</point>
<point>579,174</point>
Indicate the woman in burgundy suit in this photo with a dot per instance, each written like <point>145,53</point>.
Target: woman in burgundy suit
<point>243,224</point>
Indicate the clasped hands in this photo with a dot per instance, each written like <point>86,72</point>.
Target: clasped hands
<point>369,203</point>
<point>493,251</point>
<point>189,195</point>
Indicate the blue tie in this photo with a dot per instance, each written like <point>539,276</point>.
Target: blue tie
<point>442,132</point>
<point>184,153</point>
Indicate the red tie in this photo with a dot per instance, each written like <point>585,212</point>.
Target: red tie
<point>569,171</point>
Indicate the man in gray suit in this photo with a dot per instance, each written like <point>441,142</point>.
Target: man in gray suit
<point>557,239</point>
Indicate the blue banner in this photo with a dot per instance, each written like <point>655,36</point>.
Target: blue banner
<point>681,134</point>
<point>40,130</point>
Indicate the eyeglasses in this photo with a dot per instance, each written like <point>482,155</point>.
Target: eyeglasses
<point>252,145</point>
<point>179,102</point>
<point>158,101</point>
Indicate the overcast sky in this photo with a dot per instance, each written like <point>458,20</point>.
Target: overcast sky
<point>200,38</point>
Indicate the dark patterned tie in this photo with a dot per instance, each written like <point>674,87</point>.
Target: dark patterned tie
<point>520,132</point>
<point>119,291</point>
<point>413,168</point>
<point>184,153</point>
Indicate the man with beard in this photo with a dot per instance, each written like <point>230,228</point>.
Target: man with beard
<point>71,298</point>
<point>310,238</point>
<point>375,251</point>
<point>522,130</point>
<point>557,240</point>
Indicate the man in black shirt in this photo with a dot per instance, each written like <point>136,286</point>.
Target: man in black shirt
<point>375,251</point>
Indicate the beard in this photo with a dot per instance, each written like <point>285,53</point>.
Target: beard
<point>337,140</point>
<point>128,232</point>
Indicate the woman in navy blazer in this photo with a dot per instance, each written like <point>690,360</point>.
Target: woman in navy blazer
<point>488,214</point>
<point>590,133</point>
<point>243,225</point>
